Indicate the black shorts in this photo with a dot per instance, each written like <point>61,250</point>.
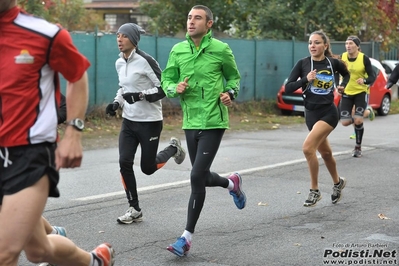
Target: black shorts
<point>348,101</point>
<point>26,165</point>
<point>327,113</point>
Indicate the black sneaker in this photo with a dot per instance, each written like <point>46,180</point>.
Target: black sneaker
<point>337,190</point>
<point>357,152</point>
<point>313,198</point>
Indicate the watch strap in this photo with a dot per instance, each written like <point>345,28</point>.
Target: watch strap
<point>77,123</point>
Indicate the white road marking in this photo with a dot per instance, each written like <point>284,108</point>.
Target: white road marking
<point>185,182</point>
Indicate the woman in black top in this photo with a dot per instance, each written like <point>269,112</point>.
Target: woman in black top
<point>318,80</point>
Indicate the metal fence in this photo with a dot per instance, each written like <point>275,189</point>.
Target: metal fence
<point>263,64</point>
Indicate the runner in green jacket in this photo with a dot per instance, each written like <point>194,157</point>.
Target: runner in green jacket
<point>202,71</point>
<point>205,66</point>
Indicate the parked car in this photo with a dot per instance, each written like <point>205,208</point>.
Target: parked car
<point>379,100</point>
<point>389,65</point>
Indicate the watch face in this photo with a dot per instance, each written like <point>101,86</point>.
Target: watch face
<point>79,123</point>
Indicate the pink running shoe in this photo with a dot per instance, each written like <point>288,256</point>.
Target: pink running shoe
<point>238,194</point>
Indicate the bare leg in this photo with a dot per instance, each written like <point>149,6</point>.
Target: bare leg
<point>326,153</point>
<point>366,113</point>
<point>25,230</point>
<point>47,226</point>
<point>312,142</point>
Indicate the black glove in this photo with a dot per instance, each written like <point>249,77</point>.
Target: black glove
<point>111,108</point>
<point>132,97</point>
<point>389,85</point>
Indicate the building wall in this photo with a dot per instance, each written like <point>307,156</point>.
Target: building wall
<point>116,13</point>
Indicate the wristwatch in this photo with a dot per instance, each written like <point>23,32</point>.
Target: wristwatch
<point>77,123</point>
<point>231,94</point>
<point>141,96</point>
<point>364,81</point>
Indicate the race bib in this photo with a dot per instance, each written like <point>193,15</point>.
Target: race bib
<point>322,84</point>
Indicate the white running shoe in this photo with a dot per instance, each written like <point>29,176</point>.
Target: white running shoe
<point>131,216</point>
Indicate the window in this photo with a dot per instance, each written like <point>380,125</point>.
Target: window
<point>111,22</point>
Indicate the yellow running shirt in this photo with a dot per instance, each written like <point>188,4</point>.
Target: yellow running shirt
<point>357,70</point>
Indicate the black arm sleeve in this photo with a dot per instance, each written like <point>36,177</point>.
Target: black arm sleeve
<point>156,96</point>
<point>394,77</point>
<point>369,70</point>
<point>343,71</point>
<point>156,93</point>
<point>62,112</point>
<point>293,83</point>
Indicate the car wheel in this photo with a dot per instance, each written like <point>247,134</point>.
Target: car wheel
<point>385,106</point>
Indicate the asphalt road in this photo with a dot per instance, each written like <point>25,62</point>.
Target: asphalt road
<point>273,229</point>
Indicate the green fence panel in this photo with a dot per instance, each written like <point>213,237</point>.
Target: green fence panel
<point>106,83</point>
<point>164,45</point>
<point>85,44</point>
<point>263,64</point>
<point>274,60</point>
<point>244,54</point>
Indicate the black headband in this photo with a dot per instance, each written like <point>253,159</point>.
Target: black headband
<point>355,40</point>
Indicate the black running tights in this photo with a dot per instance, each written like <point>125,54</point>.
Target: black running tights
<point>202,148</point>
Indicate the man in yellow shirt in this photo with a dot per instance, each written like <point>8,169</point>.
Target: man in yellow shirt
<point>356,92</point>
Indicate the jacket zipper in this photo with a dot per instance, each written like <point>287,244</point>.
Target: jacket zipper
<point>220,110</point>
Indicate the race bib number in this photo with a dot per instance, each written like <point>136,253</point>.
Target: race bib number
<point>322,84</point>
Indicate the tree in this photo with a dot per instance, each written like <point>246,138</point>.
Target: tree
<point>35,7</point>
<point>170,16</point>
<point>271,19</point>
<point>381,23</point>
<point>70,14</point>
<point>283,19</point>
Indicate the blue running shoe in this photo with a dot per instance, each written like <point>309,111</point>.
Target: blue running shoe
<point>238,194</point>
<point>60,230</point>
<point>180,247</point>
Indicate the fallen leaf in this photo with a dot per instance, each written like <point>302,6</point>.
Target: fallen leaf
<point>383,217</point>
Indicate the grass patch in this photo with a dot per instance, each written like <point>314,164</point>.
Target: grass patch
<point>259,115</point>
<point>102,131</point>
<point>394,107</point>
